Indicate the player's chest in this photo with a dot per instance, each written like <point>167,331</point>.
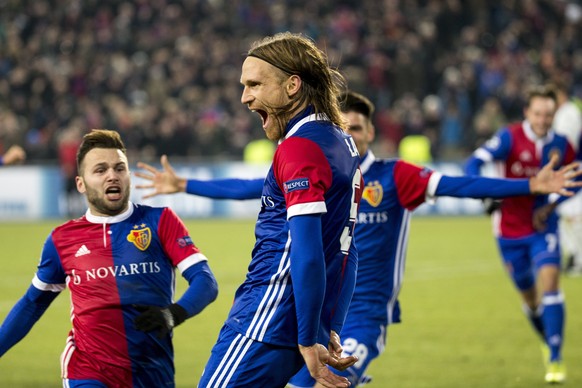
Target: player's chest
<point>129,249</point>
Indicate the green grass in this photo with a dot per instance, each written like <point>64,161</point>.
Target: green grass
<point>462,320</point>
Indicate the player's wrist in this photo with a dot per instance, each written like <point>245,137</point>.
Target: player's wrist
<point>178,313</point>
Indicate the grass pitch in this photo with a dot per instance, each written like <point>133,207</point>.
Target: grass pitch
<point>462,320</point>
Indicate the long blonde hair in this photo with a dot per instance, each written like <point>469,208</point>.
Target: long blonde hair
<point>295,54</point>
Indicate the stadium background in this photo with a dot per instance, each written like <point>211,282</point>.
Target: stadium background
<point>166,75</point>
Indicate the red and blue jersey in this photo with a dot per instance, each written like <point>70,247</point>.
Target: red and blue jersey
<point>521,154</point>
<point>109,265</point>
<point>392,190</point>
<point>314,171</point>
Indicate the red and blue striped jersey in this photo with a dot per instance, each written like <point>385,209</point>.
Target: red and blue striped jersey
<point>109,265</point>
<point>520,154</point>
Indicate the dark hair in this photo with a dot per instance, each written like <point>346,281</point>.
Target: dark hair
<point>295,54</point>
<point>99,138</point>
<point>544,91</point>
<point>355,102</point>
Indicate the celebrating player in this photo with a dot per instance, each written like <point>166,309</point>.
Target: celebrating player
<point>393,188</point>
<point>118,261</point>
<point>529,255</point>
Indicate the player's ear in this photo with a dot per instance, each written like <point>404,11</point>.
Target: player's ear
<point>293,85</point>
<point>80,184</point>
<point>371,132</point>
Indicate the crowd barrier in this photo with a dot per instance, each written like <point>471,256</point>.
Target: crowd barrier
<point>38,192</point>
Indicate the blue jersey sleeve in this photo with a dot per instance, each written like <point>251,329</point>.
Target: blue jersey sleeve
<point>481,187</point>
<point>25,313</point>
<point>496,148</point>
<point>202,291</point>
<point>226,188</point>
<point>307,274</point>
<point>347,291</point>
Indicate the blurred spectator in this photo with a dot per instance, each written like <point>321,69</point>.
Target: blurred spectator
<point>13,155</point>
<point>162,73</point>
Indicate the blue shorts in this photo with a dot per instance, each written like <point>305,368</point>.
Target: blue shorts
<point>363,339</point>
<point>523,257</point>
<point>237,361</point>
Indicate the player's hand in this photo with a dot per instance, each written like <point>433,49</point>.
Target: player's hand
<point>160,319</point>
<point>541,215</point>
<point>163,182</point>
<point>335,353</point>
<point>490,205</point>
<point>317,358</point>
<point>14,155</point>
<point>548,180</point>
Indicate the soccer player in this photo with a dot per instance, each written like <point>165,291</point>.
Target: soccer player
<point>393,189</point>
<point>302,272</point>
<point>118,261</point>
<point>568,122</point>
<point>15,154</point>
<point>529,255</point>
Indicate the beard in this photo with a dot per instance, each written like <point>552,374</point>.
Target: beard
<point>103,206</point>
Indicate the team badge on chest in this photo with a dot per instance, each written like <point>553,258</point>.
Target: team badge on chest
<point>141,238</point>
<point>373,193</point>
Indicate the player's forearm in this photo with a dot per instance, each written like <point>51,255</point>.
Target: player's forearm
<point>347,290</point>
<point>226,188</point>
<point>308,275</point>
<point>202,291</point>
<point>481,187</point>
<point>23,316</point>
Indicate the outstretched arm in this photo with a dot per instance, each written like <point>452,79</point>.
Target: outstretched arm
<point>167,182</point>
<point>25,313</point>
<point>546,181</point>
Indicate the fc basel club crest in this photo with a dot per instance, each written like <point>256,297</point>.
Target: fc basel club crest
<point>373,193</point>
<point>141,238</point>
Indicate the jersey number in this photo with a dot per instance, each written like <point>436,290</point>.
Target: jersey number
<point>347,233</point>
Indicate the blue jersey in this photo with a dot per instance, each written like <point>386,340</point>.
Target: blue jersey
<point>111,264</point>
<point>314,171</point>
<point>392,190</point>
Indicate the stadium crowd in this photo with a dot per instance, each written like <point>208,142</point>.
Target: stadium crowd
<point>165,73</point>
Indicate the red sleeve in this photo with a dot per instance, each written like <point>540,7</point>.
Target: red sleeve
<point>175,237</point>
<point>411,182</point>
<point>302,172</point>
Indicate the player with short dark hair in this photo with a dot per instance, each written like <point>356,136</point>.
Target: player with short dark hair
<point>393,189</point>
<point>118,261</point>
<point>530,255</point>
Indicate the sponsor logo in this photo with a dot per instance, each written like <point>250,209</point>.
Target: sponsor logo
<point>82,251</point>
<point>373,193</point>
<point>115,270</point>
<point>373,218</point>
<point>267,201</point>
<point>141,238</point>
<point>185,241</point>
<point>296,184</point>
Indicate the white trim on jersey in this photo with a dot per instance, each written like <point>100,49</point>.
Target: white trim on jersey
<point>66,356</point>
<point>306,208</point>
<point>272,297</point>
<point>399,261</point>
<point>367,162</point>
<point>37,283</point>
<point>306,119</point>
<point>190,261</point>
<point>235,353</point>
<point>431,187</point>
<point>483,154</point>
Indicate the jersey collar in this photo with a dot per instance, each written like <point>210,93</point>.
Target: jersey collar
<point>367,161</point>
<point>530,134</point>
<point>304,117</point>
<point>111,219</point>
